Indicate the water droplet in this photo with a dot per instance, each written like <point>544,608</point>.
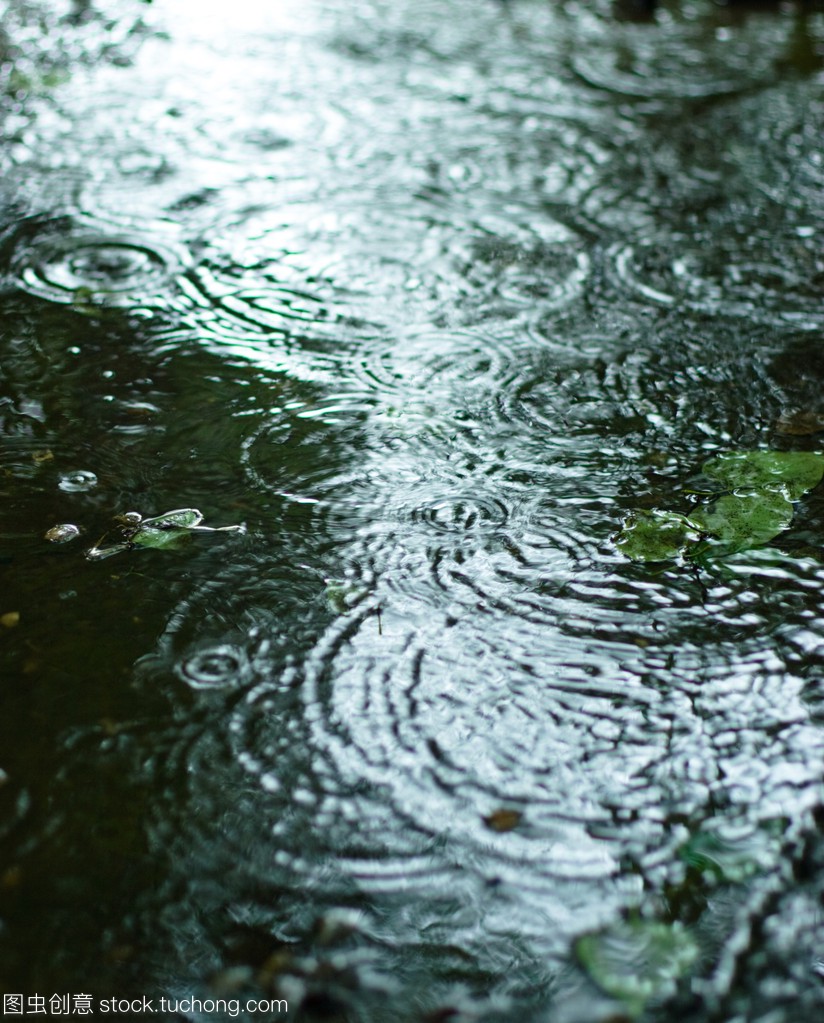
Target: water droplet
<point>79,262</point>
<point>463,513</point>
<point>62,533</point>
<point>216,667</point>
<point>78,481</point>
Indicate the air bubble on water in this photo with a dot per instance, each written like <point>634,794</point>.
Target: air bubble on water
<point>78,481</point>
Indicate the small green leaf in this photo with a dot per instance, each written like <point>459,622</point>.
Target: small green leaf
<point>343,595</point>
<point>762,487</point>
<point>791,473</point>
<point>746,520</point>
<point>730,856</point>
<point>637,960</point>
<point>168,538</point>
<point>167,531</point>
<point>656,535</point>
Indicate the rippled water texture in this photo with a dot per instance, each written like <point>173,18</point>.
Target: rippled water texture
<point>429,296</point>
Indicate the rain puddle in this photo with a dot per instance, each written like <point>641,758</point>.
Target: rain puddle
<point>496,325</point>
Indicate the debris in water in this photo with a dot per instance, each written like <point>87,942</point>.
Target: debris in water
<point>171,529</point>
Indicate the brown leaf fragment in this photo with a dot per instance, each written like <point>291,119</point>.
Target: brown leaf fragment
<point>503,819</point>
<point>800,423</point>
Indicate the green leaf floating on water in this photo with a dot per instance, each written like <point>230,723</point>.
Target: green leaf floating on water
<point>733,854</point>
<point>762,486</point>
<point>791,473</point>
<point>161,531</point>
<point>657,535</point>
<point>637,961</point>
<point>170,530</point>
<point>159,538</point>
<point>343,595</point>
<point>746,520</point>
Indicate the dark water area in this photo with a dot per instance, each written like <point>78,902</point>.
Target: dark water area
<point>429,296</point>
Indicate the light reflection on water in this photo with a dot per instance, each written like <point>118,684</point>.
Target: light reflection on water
<point>430,296</point>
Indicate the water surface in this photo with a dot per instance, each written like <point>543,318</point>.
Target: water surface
<point>430,296</point>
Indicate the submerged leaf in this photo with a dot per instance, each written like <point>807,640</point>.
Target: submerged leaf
<point>800,423</point>
<point>791,473</point>
<point>656,535</point>
<point>638,960</point>
<point>770,562</point>
<point>730,855</point>
<point>747,520</point>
